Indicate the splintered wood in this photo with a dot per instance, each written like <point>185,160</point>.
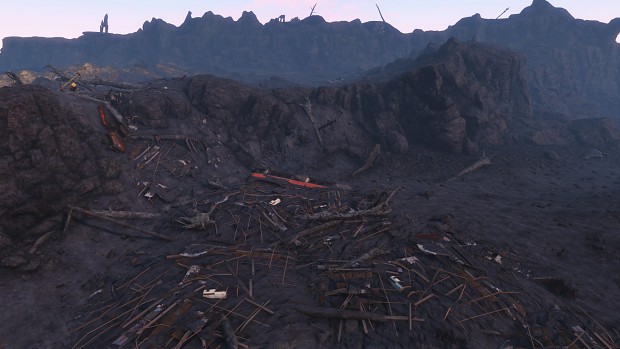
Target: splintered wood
<point>267,253</point>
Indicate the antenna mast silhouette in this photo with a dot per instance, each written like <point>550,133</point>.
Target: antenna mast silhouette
<point>506,10</point>
<point>312,10</point>
<point>380,14</point>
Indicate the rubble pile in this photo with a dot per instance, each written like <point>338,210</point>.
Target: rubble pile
<point>284,266</point>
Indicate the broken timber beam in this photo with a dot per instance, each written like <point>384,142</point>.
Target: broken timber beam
<point>229,334</point>
<point>262,307</point>
<point>122,224</point>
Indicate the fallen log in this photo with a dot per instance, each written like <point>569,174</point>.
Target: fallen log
<point>332,313</point>
<point>166,137</point>
<point>122,224</point>
<point>126,214</point>
<point>116,84</point>
<point>107,104</point>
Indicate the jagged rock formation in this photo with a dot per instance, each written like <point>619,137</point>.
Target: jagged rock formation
<point>572,65</point>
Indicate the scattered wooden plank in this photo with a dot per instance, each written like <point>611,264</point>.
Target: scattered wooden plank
<point>312,231</point>
<point>167,321</point>
<point>381,209</point>
<point>262,307</point>
<point>252,316</point>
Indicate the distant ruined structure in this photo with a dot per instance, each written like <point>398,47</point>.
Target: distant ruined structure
<point>104,24</point>
<point>573,66</point>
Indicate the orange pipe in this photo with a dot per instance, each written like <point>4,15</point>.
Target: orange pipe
<point>290,181</point>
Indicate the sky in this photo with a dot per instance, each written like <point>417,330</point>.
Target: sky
<point>69,18</point>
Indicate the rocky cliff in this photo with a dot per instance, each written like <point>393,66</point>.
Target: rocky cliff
<point>573,66</point>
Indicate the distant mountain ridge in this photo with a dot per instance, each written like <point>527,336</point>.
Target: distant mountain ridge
<point>573,66</point>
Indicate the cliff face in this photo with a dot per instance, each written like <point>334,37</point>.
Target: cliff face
<point>573,66</point>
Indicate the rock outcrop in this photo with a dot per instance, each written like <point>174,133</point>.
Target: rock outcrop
<point>461,97</point>
<point>48,158</point>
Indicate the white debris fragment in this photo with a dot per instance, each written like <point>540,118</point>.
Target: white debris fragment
<point>194,269</point>
<point>423,249</point>
<point>396,283</point>
<point>213,294</point>
<point>275,202</point>
<point>410,260</point>
<point>95,293</point>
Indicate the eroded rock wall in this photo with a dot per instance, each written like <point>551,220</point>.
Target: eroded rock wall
<point>48,158</point>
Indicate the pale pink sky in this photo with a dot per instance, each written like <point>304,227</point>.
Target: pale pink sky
<point>69,18</point>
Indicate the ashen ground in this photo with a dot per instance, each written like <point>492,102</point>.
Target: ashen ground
<point>553,210</point>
